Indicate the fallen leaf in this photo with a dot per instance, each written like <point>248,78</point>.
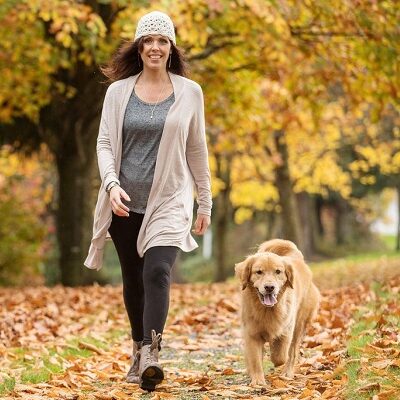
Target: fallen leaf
<point>369,387</point>
<point>89,346</point>
<point>278,383</point>
<point>381,364</point>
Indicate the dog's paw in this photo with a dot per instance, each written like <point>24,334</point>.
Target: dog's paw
<point>257,382</point>
<point>287,373</point>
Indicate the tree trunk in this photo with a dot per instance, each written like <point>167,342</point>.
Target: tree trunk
<point>287,199</point>
<point>221,217</point>
<point>343,222</point>
<point>308,222</point>
<point>398,219</point>
<point>74,218</point>
<point>319,202</point>
<point>221,225</point>
<point>273,225</point>
<point>70,129</point>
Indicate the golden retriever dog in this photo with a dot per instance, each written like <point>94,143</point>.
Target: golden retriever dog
<point>279,299</point>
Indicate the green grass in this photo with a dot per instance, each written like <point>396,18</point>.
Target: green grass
<point>31,373</point>
<point>359,338</point>
<point>363,332</point>
<point>389,241</point>
<point>7,386</point>
<point>338,254</point>
<point>355,348</point>
<point>380,292</point>
<point>352,372</point>
<point>357,258</point>
<point>115,335</point>
<point>53,368</point>
<point>88,339</point>
<point>356,268</point>
<point>75,352</point>
<point>19,350</point>
<point>35,376</point>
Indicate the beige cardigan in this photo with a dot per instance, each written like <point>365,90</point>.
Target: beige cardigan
<point>182,160</point>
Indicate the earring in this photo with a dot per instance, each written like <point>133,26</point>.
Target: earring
<point>138,56</point>
<point>170,58</point>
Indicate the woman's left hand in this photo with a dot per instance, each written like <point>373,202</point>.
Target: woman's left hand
<point>202,223</point>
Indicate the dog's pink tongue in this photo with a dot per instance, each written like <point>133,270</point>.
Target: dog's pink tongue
<point>269,300</point>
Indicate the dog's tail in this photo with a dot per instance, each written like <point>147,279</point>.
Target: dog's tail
<point>280,247</point>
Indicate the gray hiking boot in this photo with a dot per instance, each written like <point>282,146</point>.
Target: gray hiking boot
<point>133,374</point>
<point>150,371</point>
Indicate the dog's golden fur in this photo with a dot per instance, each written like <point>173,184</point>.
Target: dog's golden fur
<point>279,299</point>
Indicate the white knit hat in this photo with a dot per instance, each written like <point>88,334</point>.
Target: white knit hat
<point>155,23</point>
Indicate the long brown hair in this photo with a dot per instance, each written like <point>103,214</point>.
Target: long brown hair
<point>126,61</point>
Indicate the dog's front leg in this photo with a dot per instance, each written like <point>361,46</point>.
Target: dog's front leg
<point>294,348</point>
<point>253,350</point>
<point>279,349</point>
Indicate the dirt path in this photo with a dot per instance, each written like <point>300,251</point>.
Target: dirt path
<point>80,336</point>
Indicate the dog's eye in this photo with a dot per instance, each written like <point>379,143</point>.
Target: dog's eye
<point>259,272</point>
<point>278,271</point>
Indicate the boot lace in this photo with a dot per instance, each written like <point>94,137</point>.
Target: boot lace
<point>156,339</point>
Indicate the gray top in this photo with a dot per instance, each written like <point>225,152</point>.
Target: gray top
<point>141,137</point>
<point>169,211</point>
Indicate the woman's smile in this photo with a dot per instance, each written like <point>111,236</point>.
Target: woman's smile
<point>156,48</point>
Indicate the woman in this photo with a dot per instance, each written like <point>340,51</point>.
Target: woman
<point>151,148</point>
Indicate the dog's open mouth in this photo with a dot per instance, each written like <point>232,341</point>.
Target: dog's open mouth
<point>268,299</point>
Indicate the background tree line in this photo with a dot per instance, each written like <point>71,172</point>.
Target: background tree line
<point>302,117</point>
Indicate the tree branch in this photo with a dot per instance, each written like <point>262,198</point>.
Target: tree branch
<point>306,32</point>
<point>212,48</point>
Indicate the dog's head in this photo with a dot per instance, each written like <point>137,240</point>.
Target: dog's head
<point>268,273</point>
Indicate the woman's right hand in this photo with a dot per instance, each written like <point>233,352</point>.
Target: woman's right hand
<point>118,207</point>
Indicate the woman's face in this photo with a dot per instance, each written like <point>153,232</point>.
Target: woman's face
<point>155,52</point>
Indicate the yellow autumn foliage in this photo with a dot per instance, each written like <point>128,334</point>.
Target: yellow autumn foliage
<point>264,66</point>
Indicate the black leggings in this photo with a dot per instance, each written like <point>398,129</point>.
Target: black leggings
<point>146,281</point>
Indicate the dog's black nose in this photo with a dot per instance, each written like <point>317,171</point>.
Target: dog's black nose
<point>269,289</point>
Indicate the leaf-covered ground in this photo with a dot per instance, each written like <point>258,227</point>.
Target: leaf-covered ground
<point>64,343</point>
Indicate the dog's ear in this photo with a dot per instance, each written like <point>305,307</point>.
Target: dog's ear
<point>289,272</point>
<point>243,271</point>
